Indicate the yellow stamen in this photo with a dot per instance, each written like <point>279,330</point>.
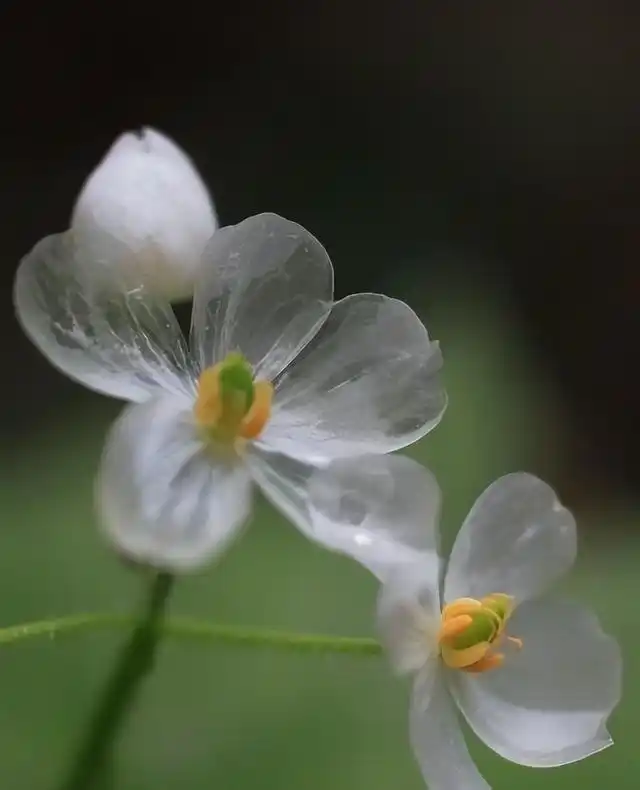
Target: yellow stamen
<point>460,659</point>
<point>453,626</point>
<point>258,415</point>
<point>460,606</point>
<point>208,405</point>
<point>229,405</point>
<point>471,630</point>
<point>487,662</point>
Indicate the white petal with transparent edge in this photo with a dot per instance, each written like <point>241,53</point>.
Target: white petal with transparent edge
<point>165,498</point>
<point>408,617</point>
<point>517,539</point>
<point>147,194</point>
<point>380,510</point>
<point>119,343</point>
<point>265,289</point>
<point>549,702</point>
<point>437,739</point>
<point>367,383</point>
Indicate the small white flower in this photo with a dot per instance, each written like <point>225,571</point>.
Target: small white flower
<point>535,679</point>
<point>147,215</point>
<point>279,381</point>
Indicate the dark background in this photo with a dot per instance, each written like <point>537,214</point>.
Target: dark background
<point>498,139</point>
<point>479,159</point>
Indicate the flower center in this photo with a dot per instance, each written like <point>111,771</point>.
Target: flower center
<point>471,630</point>
<point>230,405</point>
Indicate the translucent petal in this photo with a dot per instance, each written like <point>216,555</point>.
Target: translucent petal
<point>367,383</point>
<point>147,194</point>
<point>266,289</point>
<point>438,742</point>
<point>517,539</point>
<point>165,498</point>
<point>408,616</point>
<point>549,702</point>
<point>285,483</point>
<point>381,510</point>
<point>120,343</point>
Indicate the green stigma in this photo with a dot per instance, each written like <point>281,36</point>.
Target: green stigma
<point>236,384</point>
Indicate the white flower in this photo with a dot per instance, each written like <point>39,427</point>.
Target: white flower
<point>147,195</point>
<point>535,679</point>
<point>279,380</point>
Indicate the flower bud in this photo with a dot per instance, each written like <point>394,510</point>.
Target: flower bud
<point>146,216</point>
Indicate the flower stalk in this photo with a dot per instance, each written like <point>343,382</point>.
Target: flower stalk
<point>198,630</point>
<point>135,664</point>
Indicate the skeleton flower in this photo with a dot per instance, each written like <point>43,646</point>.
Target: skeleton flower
<point>279,380</point>
<point>146,194</point>
<point>535,679</point>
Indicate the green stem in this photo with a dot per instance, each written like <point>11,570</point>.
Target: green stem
<point>186,628</point>
<point>134,664</point>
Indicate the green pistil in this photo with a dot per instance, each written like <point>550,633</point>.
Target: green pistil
<point>484,628</point>
<point>236,383</point>
<point>236,396</point>
<point>500,604</point>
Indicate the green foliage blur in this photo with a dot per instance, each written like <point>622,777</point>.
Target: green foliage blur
<point>242,719</point>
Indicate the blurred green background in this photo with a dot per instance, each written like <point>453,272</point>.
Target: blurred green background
<point>214,716</point>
